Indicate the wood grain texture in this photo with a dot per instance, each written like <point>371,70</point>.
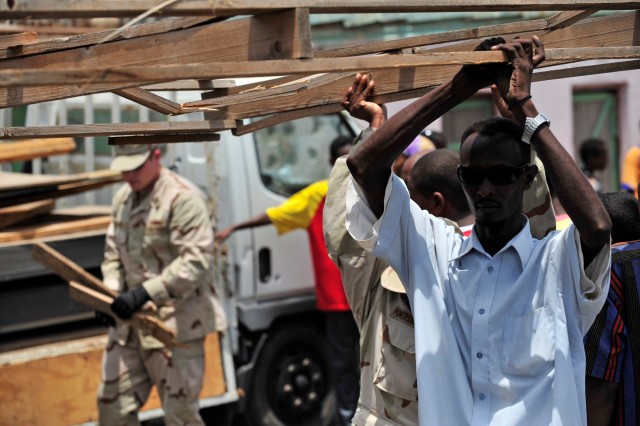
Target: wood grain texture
<point>56,384</point>
<point>130,8</point>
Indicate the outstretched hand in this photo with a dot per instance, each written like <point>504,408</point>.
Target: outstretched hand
<point>524,55</point>
<point>356,101</point>
<point>222,235</point>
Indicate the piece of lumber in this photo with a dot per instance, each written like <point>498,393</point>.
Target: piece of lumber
<point>16,42</point>
<point>131,74</point>
<point>608,31</point>
<point>149,128</point>
<point>282,117</point>
<point>543,26</point>
<point>56,190</point>
<point>164,139</point>
<point>192,85</point>
<point>66,268</point>
<point>15,214</point>
<point>150,100</point>
<point>17,9</point>
<point>88,36</point>
<point>101,302</point>
<point>278,35</point>
<point>35,148</point>
<point>29,233</point>
<point>62,378</point>
<point>258,92</point>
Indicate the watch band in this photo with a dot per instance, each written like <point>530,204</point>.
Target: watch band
<point>532,124</point>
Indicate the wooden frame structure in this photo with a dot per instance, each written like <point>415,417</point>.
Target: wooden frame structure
<point>192,43</point>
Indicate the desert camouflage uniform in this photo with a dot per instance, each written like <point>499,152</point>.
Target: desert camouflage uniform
<point>163,242</point>
<point>388,387</point>
<point>388,384</point>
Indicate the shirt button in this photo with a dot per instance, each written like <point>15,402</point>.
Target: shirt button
<point>490,269</point>
<point>481,311</point>
<point>481,396</point>
<point>479,355</point>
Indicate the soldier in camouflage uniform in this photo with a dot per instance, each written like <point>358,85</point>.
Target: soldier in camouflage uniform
<point>388,384</point>
<point>159,257</point>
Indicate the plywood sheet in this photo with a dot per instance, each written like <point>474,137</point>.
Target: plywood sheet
<point>56,384</point>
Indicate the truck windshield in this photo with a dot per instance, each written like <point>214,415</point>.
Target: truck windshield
<point>295,154</point>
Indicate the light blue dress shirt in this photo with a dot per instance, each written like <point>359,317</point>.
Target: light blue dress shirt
<point>498,339</point>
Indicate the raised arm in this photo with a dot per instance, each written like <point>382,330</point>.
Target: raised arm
<point>574,191</point>
<point>370,164</point>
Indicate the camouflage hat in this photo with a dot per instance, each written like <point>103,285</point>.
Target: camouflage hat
<point>391,281</point>
<point>130,157</point>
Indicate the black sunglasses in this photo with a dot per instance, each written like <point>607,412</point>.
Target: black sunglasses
<point>499,175</point>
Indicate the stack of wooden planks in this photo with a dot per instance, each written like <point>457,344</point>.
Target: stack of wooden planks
<point>27,205</point>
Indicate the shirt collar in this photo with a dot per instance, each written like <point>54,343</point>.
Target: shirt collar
<point>522,243</point>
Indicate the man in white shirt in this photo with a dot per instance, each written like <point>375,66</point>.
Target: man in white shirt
<point>500,316</point>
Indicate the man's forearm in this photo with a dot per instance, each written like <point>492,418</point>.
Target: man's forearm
<point>574,191</point>
<point>370,165</point>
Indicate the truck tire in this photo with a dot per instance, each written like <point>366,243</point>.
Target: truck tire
<point>291,384</point>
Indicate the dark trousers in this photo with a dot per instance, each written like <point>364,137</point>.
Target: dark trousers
<point>344,351</point>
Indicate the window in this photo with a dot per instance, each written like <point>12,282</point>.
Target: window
<point>295,154</point>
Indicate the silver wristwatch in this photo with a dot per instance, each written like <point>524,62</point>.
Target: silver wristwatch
<point>532,124</point>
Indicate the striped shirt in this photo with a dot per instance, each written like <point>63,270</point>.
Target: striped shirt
<point>613,343</point>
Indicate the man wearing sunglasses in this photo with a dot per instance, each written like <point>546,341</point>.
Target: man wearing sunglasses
<point>499,316</point>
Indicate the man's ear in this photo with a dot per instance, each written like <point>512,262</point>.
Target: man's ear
<point>438,202</point>
<point>529,176</point>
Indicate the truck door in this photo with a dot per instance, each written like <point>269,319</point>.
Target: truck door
<point>288,156</point>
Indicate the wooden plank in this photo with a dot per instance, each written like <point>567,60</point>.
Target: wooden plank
<point>282,117</point>
<point>66,268</point>
<point>50,30</point>
<point>15,42</point>
<point>164,139</point>
<point>10,181</point>
<point>154,128</point>
<point>35,148</point>
<point>608,31</point>
<point>578,71</point>
<point>258,92</point>
<point>535,25</point>
<point>16,214</point>
<point>57,192</point>
<point>89,36</point>
<point>61,379</point>
<point>282,35</point>
<point>10,78</point>
<point>44,231</point>
<point>17,9</point>
<point>625,26</point>
<point>101,302</point>
<point>150,100</point>
<point>192,85</point>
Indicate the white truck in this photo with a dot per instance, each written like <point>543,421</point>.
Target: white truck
<point>270,365</point>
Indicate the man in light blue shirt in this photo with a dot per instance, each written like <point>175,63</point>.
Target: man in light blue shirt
<point>499,316</point>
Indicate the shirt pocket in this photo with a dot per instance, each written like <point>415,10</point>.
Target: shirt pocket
<point>396,369</point>
<point>156,235</point>
<point>528,343</point>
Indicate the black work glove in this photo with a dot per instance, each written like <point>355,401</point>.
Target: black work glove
<point>105,319</point>
<point>487,73</point>
<point>129,302</point>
